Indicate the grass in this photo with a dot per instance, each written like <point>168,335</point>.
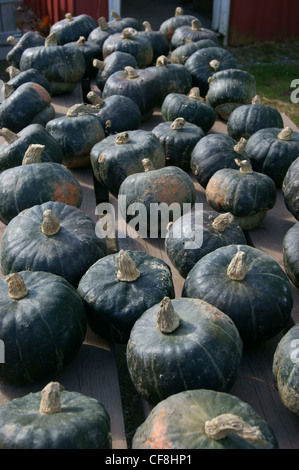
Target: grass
<point>273,83</point>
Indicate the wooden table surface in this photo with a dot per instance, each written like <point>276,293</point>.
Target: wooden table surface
<point>94,370</point>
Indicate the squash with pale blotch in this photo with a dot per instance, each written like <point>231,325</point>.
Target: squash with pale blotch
<point>204,419</point>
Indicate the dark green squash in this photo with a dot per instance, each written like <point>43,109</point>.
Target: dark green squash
<point>118,113</point>
<point>139,85</point>
<point>214,152</point>
<point>130,41</point>
<point>17,78</point>
<point>52,237</point>
<point>76,133</point>
<point>190,107</point>
<point>90,51</point>
<point>205,62</point>
<point>28,39</point>
<point>42,324</point>
<point>120,23</point>
<point>290,188</point>
<point>247,119</point>
<point>246,284</point>
<point>157,195</point>
<point>55,419</point>
<point>35,182</point>
<point>285,369</point>
<point>272,151</point>
<point>178,138</point>
<point>13,149</point>
<point>169,25</point>
<point>63,65</point>
<point>194,32</point>
<point>121,155</point>
<point>99,34</point>
<point>30,103</point>
<point>159,42</point>
<point>246,194</point>
<point>114,62</point>
<point>290,245</point>
<point>183,52</point>
<point>117,289</point>
<point>183,344</point>
<point>196,234</point>
<point>204,419</point>
<point>229,89</point>
<point>70,28</point>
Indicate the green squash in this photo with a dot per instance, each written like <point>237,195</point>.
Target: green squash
<point>118,113</point>
<point>246,194</point>
<point>35,182</point>
<point>121,155</point>
<point>215,152</point>
<point>130,41</point>
<point>168,26</point>
<point>30,103</point>
<point>290,188</point>
<point>114,62</point>
<point>90,51</point>
<point>70,28</point>
<point>76,133</point>
<point>13,149</point>
<point>190,107</point>
<point>272,151</point>
<point>204,419</point>
<point>17,78</point>
<point>54,419</point>
<point>290,252</point>
<point>183,52</point>
<point>101,32</point>
<point>286,369</point>
<point>205,62</point>
<point>195,234</point>
<point>158,196</point>
<point>117,289</point>
<point>182,344</point>
<point>28,39</point>
<point>246,284</point>
<point>159,42</point>
<point>41,337</point>
<point>194,32</point>
<point>247,119</point>
<point>229,89</point>
<point>52,237</point>
<point>178,138</point>
<point>120,23</point>
<point>63,65</point>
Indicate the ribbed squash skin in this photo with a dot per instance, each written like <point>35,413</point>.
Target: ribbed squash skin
<point>83,423</point>
<point>184,251</point>
<point>203,352</point>
<point>183,52</point>
<point>118,114</point>
<point>169,26</point>
<point>290,245</point>
<point>192,110</point>
<point>30,103</point>
<point>69,31</point>
<point>178,423</point>
<point>114,62</point>
<point>63,66</point>
<point>48,333</point>
<point>69,253</point>
<point>198,65</point>
<point>290,188</point>
<point>112,162</point>
<point>286,369</point>
<point>247,196</point>
<point>178,144</point>
<point>76,136</point>
<point>212,153</point>
<point>271,155</point>
<point>138,46</point>
<point>30,75</point>
<point>186,31</point>
<point>250,118</point>
<point>11,155</point>
<point>27,185</point>
<point>229,89</point>
<point>113,306</point>
<point>28,39</point>
<point>260,305</point>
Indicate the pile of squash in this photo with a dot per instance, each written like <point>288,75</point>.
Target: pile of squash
<point>183,354</point>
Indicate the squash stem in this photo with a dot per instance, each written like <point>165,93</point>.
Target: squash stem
<point>33,154</point>
<point>167,319</point>
<point>50,224</point>
<point>17,288</point>
<point>223,221</point>
<point>127,270</point>
<point>237,268</point>
<point>50,401</point>
<point>219,427</point>
<point>8,135</point>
